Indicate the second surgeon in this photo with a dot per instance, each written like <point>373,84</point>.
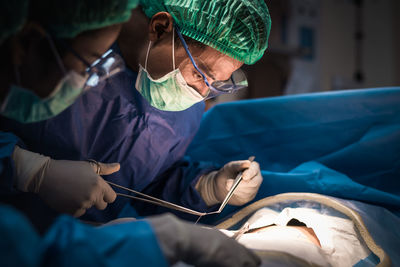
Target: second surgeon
<point>145,117</point>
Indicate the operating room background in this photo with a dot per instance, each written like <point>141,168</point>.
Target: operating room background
<point>324,45</point>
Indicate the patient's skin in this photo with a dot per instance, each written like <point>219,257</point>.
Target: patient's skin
<point>307,231</point>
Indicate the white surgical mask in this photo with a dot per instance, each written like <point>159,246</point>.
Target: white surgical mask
<point>26,107</point>
<point>168,93</point>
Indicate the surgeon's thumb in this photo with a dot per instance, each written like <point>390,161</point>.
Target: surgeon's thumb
<point>108,168</point>
<point>235,167</point>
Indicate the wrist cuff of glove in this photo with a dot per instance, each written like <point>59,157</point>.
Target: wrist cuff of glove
<point>205,186</point>
<point>29,168</point>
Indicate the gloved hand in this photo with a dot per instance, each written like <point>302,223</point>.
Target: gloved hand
<point>66,186</point>
<point>199,246</point>
<point>214,186</point>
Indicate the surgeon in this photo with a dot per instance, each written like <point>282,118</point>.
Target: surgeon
<point>44,69</point>
<point>178,54</point>
<point>158,241</point>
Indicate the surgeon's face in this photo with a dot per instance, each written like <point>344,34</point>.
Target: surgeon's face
<point>35,62</point>
<point>214,64</point>
<point>90,45</point>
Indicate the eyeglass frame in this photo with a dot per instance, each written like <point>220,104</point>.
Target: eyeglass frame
<point>97,62</point>
<point>217,91</point>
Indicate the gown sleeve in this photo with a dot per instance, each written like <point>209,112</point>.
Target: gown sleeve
<point>7,144</point>
<point>177,185</point>
<point>71,243</point>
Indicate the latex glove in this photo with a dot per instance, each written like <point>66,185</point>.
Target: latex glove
<point>66,186</point>
<point>199,246</point>
<point>214,186</point>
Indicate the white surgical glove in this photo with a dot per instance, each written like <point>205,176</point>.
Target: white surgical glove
<point>199,246</point>
<point>214,186</point>
<point>66,186</point>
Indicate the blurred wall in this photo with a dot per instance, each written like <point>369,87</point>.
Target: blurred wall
<point>396,33</point>
<point>336,42</point>
<point>268,76</point>
<point>304,35</point>
<point>288,68</point>
<point>380,47</point>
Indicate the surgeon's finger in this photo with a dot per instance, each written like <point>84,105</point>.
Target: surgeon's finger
<point>257,180</point>
<point>252,171</point>
<point>100,204</point>
<point>108,168</point>
<point>79,212</point>
<point>246,187</point>
<point>109,193</point>
<point>229,184</point>
<point>251,185</point>
<point>239,188</point>
<point>237,166</point>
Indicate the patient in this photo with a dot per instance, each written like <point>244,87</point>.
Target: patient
<point>307,235</point>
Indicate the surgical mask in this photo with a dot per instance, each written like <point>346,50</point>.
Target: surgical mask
<point>168,93</point>
<point>26,107</point>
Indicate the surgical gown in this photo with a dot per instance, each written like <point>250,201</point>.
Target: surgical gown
<point>68,242</point>
<point>7,144</point>
<point>114,123</point>
<point>71,243</point>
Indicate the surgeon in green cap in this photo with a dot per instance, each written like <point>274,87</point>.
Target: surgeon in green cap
<point>73,186</point>
<point>49,50</point>
<point>178,54</point>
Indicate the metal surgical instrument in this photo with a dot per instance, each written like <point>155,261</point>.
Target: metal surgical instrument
<point>163,203</point>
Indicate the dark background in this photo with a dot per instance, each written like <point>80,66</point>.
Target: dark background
<point>323,45</point>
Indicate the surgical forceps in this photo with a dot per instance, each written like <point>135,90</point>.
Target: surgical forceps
<point>163,203</point>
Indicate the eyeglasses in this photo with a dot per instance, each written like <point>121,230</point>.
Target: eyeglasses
<point>236,82</point>
<point>109,64</point>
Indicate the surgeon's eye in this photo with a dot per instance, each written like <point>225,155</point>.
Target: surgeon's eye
<point>197,76</point>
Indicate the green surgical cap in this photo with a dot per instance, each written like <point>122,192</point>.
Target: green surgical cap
<point>237,28</point>
<point>68,18</point>
<point>12,17</point>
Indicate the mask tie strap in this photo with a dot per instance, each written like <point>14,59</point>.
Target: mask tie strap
<point>173,51</point>
<point>173,48</point>
<point>147,55</point>
<point>17,75</point>
<point>56,54</point>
